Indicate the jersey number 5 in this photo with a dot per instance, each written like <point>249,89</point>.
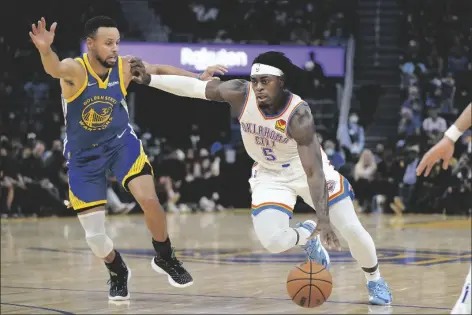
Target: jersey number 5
<point>269,154</point>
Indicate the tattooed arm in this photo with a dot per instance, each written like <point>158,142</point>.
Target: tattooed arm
<point>301,128</point>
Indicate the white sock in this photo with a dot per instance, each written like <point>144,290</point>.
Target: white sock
<point>372,276</point>
<point>304,234</point>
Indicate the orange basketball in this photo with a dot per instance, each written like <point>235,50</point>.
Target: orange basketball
<point>309,284</point>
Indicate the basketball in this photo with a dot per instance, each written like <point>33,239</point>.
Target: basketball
<point>309,284</point>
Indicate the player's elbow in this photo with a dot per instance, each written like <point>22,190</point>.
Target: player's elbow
<point>53,72</point>
<point>55,75</point>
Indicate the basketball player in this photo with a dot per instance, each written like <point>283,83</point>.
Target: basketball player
<point>99,137</point>
<point>444,150</point>
<point>278,132</point>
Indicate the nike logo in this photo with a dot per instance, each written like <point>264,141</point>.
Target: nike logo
<point>90,84</point>
<point>121,135</point>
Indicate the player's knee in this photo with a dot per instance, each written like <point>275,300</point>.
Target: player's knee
<point>275,243</point>
<point>149,203</point>
<point>354,232</point>
<point>95,235</point>
<point>100,244</point>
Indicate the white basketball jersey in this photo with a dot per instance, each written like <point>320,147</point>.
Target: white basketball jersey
<point>265,137</point>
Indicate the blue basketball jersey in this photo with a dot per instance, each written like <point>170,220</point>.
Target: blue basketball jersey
<point>98,111</point>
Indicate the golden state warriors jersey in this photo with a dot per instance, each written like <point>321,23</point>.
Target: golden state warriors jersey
<point>98,111</point>
<point>265,136</point>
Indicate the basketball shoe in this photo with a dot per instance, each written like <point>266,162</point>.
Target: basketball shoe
<point>119,285</point>
<point>172,267</point>
<point>379,292</point>
<point>313,248</point>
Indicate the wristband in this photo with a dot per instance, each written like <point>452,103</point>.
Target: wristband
<point>453,133</point>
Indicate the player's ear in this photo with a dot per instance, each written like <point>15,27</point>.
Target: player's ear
<point>89,42</point>
<point>282,81</point>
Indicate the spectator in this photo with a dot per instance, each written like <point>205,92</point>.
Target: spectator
<point>434,126</point>
<point>407,184</point>
<point>457,197</point>
<point>335,157</point>
<point>409,125</point>
<point>364,173</point>
<point>356,135</point>
<point>316,76</point>
<point>457,62</point>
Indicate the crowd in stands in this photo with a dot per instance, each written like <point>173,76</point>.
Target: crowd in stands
<point>436,71</point>
<point>246,21</point>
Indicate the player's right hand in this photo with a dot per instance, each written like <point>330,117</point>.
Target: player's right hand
<point>41,37</point>
<point>443,150</point>
<point>138,71</point>
<point>328,238</point>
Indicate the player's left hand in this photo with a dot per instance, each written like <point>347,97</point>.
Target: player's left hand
<point>212,70</point>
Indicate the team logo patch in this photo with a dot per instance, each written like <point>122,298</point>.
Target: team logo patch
<point>331,184</point>
<point>281,125</point>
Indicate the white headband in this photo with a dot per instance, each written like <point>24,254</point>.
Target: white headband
<point>259,68</point>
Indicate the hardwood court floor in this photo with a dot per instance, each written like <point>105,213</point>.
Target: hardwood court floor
<point>46,267</point>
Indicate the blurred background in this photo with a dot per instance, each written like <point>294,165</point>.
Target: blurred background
<point>384,80</point>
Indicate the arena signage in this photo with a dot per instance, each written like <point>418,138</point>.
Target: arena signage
<point>237,57</point>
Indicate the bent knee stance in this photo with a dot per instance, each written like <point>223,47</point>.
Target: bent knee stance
<point>280,241</point>
<point>95,235</point>
<point>273,231</point>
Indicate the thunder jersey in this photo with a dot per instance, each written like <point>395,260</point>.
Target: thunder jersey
<point>98,111</point>
<point>265,136</point>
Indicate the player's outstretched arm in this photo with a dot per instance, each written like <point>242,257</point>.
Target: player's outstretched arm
<point>171,70</point>
<point>42,39</point>
<point>232,91</point>
<point>444,149</point>
<point>301,128</point>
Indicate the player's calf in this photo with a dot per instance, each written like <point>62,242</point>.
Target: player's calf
<point>165,262</point>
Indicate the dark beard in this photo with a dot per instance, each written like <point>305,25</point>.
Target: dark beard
<point>104,63</point>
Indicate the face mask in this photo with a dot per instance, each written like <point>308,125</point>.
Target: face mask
<point>353,119</point>
<point>329,151</point>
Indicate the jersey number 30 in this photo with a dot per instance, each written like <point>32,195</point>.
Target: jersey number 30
<point>269,154</point>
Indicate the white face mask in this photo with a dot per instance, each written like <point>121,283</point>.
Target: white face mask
<point>206,163</point>
<point>329,151</point>
<point>353,119</point>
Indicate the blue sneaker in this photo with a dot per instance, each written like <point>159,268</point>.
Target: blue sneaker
<point>313,248</point>
<point>379,292</point>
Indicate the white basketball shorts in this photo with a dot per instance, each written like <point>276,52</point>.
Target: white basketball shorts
<point>278,189</point>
